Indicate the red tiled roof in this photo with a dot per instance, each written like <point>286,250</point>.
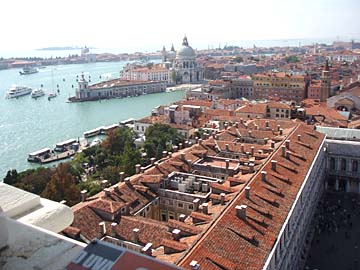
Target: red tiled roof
<point>172,223</point>
<point>175,245</point>
<point>108,206</point>
<point>237,241</point>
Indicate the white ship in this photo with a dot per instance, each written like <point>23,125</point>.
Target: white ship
<point>38,92</point>
<point>18,91</point>
<point>28,70</point>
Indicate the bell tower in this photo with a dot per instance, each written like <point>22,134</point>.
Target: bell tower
<point>325,83</point>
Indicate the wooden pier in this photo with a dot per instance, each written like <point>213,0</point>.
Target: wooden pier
<point>57,157</point>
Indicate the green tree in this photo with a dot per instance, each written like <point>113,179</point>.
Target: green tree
<point>159,138</point>
<point>129,159</point>
<point>62,186</point>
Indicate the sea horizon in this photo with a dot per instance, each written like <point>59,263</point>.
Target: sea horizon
<point>266,43</point>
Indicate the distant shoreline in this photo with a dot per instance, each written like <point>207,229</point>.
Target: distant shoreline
<point>61,48</point>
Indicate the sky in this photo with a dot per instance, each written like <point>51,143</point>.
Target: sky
<point>147,25</point>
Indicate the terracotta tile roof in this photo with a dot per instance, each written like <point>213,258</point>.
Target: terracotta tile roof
<point>259,108</point>
<point>87,221</point>
<point>175,224</point>
<point>175,245</point>
<point>107,206</point>
<point>247,244</point>
<point>150,230</point>
<point>200,216</point>
<point>72,232</point>
<point>151,179</point>
<point>278,105</point>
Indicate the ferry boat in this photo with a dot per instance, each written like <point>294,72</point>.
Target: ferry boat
<point>93,132</point>
<point>28,70</point>
<point>38,92</point>
<point>108,129</point>
<point>18,91</point>
<point>63,146</point>
<point>36,156</point>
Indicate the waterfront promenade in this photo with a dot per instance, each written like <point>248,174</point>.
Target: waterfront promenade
<point>27,125</point>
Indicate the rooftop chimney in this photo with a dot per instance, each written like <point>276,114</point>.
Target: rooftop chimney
<point>252,150</point>
<point>242,148</point>
<point>287,155</point>
<point>113,230</point>
<point>164,153</point>
<point>256,127</point>
<point>104,183</point>
<point>267,124</point>
<point>278,127</point>
<point>287,144</point>
<point>263,176</point>
<point>205,209</point>
<point>241,211</point>
<point>122,176</point>
<point>299,137</point>
<point>127,180</point>
<point>281,131</point>
<point>273,165</point>
<point>147,250</point>
<point>283,150</point>
<point>152,160</point>
<point>176,234</point>
<point>196,203</point>
<point>107,191</point>
<point>194,265</point>
<point>142,169</point>
<point>175,148</point>
<point>200,141</point>
<point>83,194</point>
<point>222,198</point>
<point>227,147</point>
<point>182,217</point>
<point>137,168</point>
<point>182,155</point>
<point>102,228</point>
<point>136,235</point>
<point>180,146</point>
<point>251,168</point>
<point>247,192</point>
<point>272,144</point>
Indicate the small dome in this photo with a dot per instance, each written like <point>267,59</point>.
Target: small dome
<point>185,51</point>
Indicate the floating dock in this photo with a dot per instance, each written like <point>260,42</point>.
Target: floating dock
<point>57,157</point>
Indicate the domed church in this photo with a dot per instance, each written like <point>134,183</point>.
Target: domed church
<point>184,65</point>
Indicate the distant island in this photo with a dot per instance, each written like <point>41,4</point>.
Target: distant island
<point>61,48</point>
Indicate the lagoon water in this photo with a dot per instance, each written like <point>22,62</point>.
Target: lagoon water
<point>28,124</point>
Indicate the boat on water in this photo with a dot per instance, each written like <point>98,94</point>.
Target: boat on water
<point>29,70</point>
<point>95,142</point>
<point>93,132</point>
<point>38,155</point>
<point>37,92</point>
<point>18,91</point>
<point>52,95</point>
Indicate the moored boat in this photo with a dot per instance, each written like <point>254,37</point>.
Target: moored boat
<point>38,92</point>
<point>18,91</point>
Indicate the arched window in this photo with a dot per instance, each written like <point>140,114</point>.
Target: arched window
<point>355,166</point>
<point>343,164</point>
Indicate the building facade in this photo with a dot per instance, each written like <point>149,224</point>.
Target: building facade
<point>115,89</point>
<point>279,85</point>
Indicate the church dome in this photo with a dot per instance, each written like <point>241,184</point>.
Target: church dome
<point>185,51</point>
